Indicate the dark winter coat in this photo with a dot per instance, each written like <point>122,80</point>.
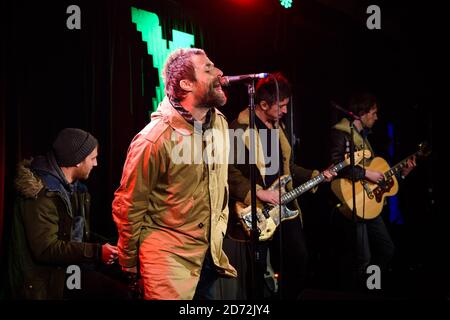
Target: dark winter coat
<point>44,242</point>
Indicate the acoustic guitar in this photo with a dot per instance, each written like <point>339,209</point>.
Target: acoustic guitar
<point>370,196</point>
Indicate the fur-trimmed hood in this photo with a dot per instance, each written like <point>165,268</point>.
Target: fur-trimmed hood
<point>26,182</point>
<point>47,231</point>
<point>42,172</point>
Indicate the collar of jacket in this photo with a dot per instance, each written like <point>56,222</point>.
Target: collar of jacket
<point>359,138</point>
<point>244,119</point>
<point>344,125</point>
<point>167,113</point>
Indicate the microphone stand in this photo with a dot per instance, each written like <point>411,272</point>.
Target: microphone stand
<point>352,166</point>
<point>254,234</point>
<point>355,233</point>
<point>352,119</point>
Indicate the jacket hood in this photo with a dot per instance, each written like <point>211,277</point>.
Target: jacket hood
<point>26,182</point>
<point>35,174</point>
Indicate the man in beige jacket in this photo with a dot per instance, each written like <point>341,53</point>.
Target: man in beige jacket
<point>171,208</point>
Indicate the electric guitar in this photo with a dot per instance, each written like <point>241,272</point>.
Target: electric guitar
<point>268,215</point>
<point>370,196</point>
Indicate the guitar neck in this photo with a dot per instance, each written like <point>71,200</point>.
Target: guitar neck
<point>398,167</point>
<point>291,195</point>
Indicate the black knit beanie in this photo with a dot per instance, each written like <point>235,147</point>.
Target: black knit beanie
<point>72,146</point>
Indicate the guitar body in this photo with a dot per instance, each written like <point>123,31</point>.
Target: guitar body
<point>369,196</point>
<point>268,216</point>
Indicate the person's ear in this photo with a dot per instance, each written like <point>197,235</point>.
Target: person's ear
<point>186,85</point>
<point>78,165</point>
<point>264,105</point>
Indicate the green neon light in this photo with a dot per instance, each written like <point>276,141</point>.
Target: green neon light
<point>158,47</point>
<point>286,3</point>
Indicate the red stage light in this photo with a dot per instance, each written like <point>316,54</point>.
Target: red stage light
<point>245,2</point>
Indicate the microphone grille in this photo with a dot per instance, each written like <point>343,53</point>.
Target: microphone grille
<point>224,82</point>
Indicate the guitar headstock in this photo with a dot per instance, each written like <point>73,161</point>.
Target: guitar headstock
<point>359,155</point>
<point>424,150</point>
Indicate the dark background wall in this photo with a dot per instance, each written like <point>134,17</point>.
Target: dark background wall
<point>92,78</point>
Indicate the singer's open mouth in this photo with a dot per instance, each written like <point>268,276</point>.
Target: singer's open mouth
<point>217,86</point>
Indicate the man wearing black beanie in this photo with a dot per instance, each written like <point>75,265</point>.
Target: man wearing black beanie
<point>51,225</point>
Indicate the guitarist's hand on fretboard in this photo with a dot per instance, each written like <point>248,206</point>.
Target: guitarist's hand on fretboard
<point>374,176</point>
<point>270,196</point>
<point>329,175</point>
<point>410,164</point>
<point>370,199</point>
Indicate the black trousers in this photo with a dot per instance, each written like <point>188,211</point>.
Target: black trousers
<point>361,244</point>
<point>289,259</point>
<point>208,278</point>
<point>99,283</point>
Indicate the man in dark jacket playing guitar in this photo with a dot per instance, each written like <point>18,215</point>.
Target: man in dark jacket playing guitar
<point>369,240</point>
<point>273,158</point>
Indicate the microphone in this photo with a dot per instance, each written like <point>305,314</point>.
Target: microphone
<point>227,80</point>
<point>349,113</point>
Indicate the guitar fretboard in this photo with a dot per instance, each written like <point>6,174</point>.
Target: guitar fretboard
<point>398,167</point>
<point>291,195</point>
